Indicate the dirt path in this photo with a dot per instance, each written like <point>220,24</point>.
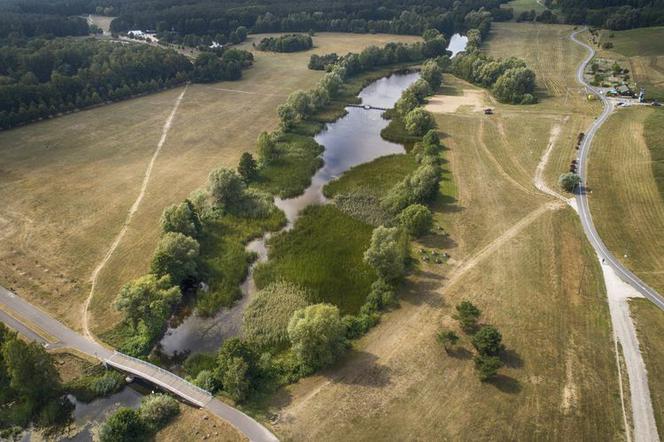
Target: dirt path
<point>538,180</point>
<point>130,215</point>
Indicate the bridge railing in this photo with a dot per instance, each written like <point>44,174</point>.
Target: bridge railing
<point>160,373</point>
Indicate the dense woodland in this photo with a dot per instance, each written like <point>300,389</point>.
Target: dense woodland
<point>286,43</point>
<point>46,77</point>
<point>613,14</point>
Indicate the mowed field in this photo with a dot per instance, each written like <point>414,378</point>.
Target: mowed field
<point>627,208</point>
<point>649,321</point>
<point>67,184</point>
<point>643,50</point>
<point>521,256</point>
<point>519,6</point>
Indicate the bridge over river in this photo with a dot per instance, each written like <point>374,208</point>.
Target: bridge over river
<point>36,325</point>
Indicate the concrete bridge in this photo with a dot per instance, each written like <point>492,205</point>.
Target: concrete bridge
<point>34,324</point>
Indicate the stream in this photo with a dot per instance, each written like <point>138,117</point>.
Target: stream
<point>352,140</point>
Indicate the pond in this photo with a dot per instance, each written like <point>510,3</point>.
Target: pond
<point>352,140</point>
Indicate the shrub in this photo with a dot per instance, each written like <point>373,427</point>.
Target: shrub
<point>357,326</point>
<point>267,149</point>
<point>488,341</point>
<point>382,295</point>
<point>432,73</point>
<point>123,425</point>
<point>157,410</point>
<point>418,122</point>
<point>197,362</point>
<point>247,167</point>
<point>317,335</point>
<point>487,367</point>
<point>266,318</point>
<point>416,219</point>
<point>237,369</point>
<point>176,256</point>
<point>569,181</point>
<point>467,315</point>
<point>206,380</point>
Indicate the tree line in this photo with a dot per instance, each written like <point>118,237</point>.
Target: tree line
<point>286,43</point>
<point>45,78</point>
<point>612,14</point>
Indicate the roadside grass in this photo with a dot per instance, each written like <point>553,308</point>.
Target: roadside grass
<point>626,204</point>
<point>654,135</point>
<point>67,184</point>
<point>643,49</point>
<point>193,423</point>
<point>649,321</point>
<point>323,253</point>
<point>375,178</point>
<point>224,259</point>
<point>539,284</point>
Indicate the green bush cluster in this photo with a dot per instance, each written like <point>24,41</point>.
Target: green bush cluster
<point>30,387</point>
<point>286,43</point>
<point>92,386</point>
<point>127,424</point>
<point>509,79</point>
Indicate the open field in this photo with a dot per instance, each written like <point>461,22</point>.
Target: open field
<point>626,205</point>
<point>520,6</point>
<point>643,50</point>
<point>650,329</point>
<point>522,258</point>
<point>68,183</point>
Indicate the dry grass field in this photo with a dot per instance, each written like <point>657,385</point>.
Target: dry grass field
<point>67,184</point>
<point>626,205</point>
<point>198,424</point>
<point>650,328</point>
<point>522,258</point>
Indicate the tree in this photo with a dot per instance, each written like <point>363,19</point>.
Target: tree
<point>418,122</point>
<point>317,335</point>
<point>387,253</point>
<point>569,181</point>
<point>487,366</point>
<point>226,189</point>
<point>287,116</point>
<point>247,167</point>
<point>148,298</point>
<point>267,149</point>
<point>488,341</point>
<point>406,103</point>
<point>447,338</point>
<point>416,219</point>
<point>181,218</point>
<point>31,372</point>
<point>514,84</point>
<point>124,425</point>
<point>237,368</point>
<point>467,315</point>
<point>432,74</point>
<point>177,256</point>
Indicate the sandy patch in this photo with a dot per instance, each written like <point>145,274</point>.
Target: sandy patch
<point>472,100</point>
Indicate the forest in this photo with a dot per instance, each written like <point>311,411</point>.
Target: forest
<point>613,14</point>
<point>286,43</point>
<point>45,78</point>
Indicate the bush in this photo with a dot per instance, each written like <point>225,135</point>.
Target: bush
<point>157,410</point>
<point>125,425</point>
<point>487,367</point>
<point>418,122</point>
<point>321,62</point>
<point>432,73</point>
<point>418,187</point>
<point>382,295</point>
<point>266,318</point>
<point>488,341</point>
<point>197,362</point>
<point>416,219</point>
<point>247,167</point>
<point>357,326</point>
<point>206,380</point>
<point>467,315</point>
<point>286,43</point>
<point>569,181</point>
<point>317,335</point>
<point>181,218</point>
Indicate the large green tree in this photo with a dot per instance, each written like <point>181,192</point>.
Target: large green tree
<point>317,335</point>
<point>149,299</point>
<point>181,218</point>
<point>387,252</point>
<point>177,256</point>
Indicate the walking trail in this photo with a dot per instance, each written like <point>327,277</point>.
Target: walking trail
<point>134,208</point>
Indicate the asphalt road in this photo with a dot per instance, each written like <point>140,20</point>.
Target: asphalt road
<point>67,337</point>
<point>582,196</point>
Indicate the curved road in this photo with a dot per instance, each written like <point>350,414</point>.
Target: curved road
<point>582,198</point>
<point>36,325</point>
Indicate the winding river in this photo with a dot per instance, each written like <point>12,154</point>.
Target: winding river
<point>352,140</point>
